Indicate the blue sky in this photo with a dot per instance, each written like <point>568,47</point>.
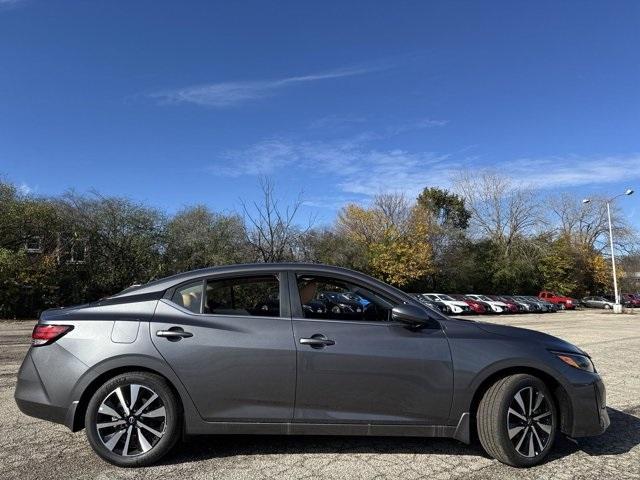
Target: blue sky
<point>177,103</point>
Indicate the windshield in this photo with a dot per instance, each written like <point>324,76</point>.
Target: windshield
<point>485,298</point>
<point>447,298</point>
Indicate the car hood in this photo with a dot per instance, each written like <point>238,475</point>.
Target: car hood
<point>548,341</point>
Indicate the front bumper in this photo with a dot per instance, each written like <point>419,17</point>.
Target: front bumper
<point>588,414</point>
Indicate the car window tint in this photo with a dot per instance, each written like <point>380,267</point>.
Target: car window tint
<point>334,299</point>
<point>253,295</point>
<point>189,296</point>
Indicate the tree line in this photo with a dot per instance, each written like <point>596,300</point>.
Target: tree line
<point>486,234</point>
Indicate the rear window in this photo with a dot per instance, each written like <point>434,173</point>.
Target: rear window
<point>189,296</point>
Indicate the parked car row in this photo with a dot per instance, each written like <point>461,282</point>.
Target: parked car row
<point>476,304</point>
<point>545,302</point>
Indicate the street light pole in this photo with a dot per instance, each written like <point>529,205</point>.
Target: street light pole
<point>617,307</point>
<point>613,258</point>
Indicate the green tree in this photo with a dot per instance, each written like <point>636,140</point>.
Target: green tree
<point>121,242</point>
<point>447,219</point>
<point>447,209</point>
<point>197,237</point>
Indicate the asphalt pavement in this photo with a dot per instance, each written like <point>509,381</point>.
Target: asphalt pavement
<point>34,449</point>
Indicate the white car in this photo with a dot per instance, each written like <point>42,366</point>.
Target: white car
<point>456,306</point>
<point>496,306</point>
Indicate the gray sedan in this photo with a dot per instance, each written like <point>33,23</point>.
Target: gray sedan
<point>256,349</point>
<point>597,302</point>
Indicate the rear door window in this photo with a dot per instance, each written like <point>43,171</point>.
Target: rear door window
<point>247,296</point>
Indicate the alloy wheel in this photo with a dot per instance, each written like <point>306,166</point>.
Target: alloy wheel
<point>131,420</point>
<point>530,422</point>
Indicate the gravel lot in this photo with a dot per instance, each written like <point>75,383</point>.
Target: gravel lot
<point>31,448</point>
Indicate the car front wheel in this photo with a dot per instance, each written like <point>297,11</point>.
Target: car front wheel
<point>133,419</point>
<point>517,420</point>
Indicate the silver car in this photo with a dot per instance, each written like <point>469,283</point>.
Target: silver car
<point>597,302</point>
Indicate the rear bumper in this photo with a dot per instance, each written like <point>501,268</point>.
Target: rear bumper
<point>43,411</point>
<point>589,410</point>
<point>32,397</point>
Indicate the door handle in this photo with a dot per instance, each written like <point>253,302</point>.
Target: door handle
<point>174,334</point>
<point>317,341</point>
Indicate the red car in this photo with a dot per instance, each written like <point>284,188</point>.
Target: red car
<point>564,302</point>
<point>630,300</point>
<point>476,307</point>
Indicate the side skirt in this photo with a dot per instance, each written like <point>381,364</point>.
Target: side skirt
<point>459,432</point>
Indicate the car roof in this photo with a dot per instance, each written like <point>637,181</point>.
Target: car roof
<point>249,268</point>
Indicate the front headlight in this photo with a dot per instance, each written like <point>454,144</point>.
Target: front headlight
<point>575,360</point>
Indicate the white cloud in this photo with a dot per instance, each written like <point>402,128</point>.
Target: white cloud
<point>8,4</point>
<point>335,121</point>
<point>574,170</point>
<point>350,165</point>
<point>417,125</point>
<point>23,188</point>
<point>354,169</point>
<point>228,94</point>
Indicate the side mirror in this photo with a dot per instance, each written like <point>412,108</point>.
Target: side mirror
<point>409,314</point>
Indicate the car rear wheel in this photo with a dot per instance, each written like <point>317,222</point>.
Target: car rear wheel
<point>607,306</point>
<point>517,420</point>
<point>133,419</point>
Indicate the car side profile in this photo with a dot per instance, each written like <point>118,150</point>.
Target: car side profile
<point>629,300</point>
<point>597,302</point>
<point>565,303</point>
<point>232,350</point>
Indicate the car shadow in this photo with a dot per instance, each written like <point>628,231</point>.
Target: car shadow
<point>199,448</point>
<point>622,435</point>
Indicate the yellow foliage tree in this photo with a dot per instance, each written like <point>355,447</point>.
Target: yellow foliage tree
<point>395,240</point>
<point>600,272</point>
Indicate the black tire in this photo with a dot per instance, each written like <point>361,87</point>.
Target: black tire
<point>169,423</point>
<point>494,415</point>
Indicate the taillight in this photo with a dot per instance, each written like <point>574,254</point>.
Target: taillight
<point>47,334</point>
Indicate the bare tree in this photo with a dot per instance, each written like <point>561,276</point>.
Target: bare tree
<point>587,224</point>
<point>271,230</point>
<point>395,211</point>
<point>500,210</point>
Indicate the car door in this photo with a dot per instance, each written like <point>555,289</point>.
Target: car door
<point>229,339</point>
<point>365,368</point>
